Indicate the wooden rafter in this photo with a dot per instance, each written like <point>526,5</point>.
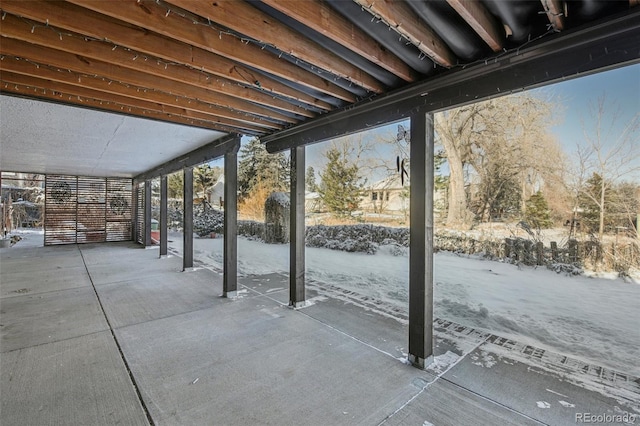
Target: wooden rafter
<point>27,67</point>
<point>44,93</point>
<point>11,64</point>
<point>482,22</point>
<point>274,33</point>
<point>19,29</point>
<point>91,24</point>
<point>234,108</point>
<point>403,20</point>
<point>128,102</point>
<point>555,12</point>
<point>154,18</point>
<point>320,17</point>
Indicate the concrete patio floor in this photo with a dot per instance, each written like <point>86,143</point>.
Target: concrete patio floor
<point>111,334</point>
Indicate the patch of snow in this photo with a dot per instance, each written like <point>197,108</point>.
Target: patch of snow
<point>485,360</point>
<point>557,393</point>
<point>588,318</point>
<point>441,363</point>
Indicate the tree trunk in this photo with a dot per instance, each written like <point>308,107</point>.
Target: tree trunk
<point>458,215</point>
<point>601,225</point>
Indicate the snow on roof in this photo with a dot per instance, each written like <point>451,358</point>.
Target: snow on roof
<point>390,182</point>
<point>308,195</point>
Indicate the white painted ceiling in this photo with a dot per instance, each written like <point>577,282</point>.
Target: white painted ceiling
<point>43,137</point>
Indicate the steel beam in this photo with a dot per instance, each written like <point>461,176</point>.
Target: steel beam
<point>147,213</point>
<point>297,229</point>
<point>164,195</point>
<point>187,255</point>
<point>421,241</point>
<point>230,253</point>
<point>205,153</point>
<point>559,57</point>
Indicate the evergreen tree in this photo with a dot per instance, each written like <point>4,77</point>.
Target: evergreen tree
<point>620,204</point>
<point>203,178</point>
<point>256,165</point>
<point>175,185</point>
<point>341,185</point>
<point>310,180</point>
<point>537,211</point>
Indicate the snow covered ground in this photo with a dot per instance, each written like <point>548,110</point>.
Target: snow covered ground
<point>593,319</point>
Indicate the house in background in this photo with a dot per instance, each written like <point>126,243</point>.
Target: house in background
<point>389,195</point>
<point>386,196</point>
<point>313,202</point>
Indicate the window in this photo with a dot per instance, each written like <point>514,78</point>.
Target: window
<point>374,196</point>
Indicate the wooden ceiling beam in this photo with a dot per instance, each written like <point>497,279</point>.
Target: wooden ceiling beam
<point>232,107</point>
<point>32,68</point>
<point>265,29</point>
<point>555,12</point>
<point>152,18</point>
<point>92,24</point>
<point>404,21</point>
<point>65,98</point>
<point>56,81</point>
<point>108,98</point>
<point>19,29</point>
<point>482,22</point>
<point>318,16</point>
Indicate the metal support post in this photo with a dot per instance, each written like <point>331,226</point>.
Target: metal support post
<point>164,192</point>
<point>187,255</point>
<point>230,255</point>
<point>421,245</point>
<point>297,229</point>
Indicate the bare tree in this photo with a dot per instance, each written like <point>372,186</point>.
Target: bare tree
<point>455,129</point>
<point>498,142</point>
<point>609,155</point>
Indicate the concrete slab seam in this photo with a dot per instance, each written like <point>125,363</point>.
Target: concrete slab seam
<point>115,339</point>
<point>506,407</point>
<point>346,334</point>
<point>55,341</point>
<point>425,387</point>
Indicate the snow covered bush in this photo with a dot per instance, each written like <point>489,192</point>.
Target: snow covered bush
<point>207,220</point>
<point>565,268</point>
<point>356,238</point>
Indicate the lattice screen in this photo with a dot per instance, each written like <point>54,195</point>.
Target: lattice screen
<point>140,213</point>
<point>86,209</point>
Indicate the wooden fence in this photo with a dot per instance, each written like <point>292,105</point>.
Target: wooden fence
<point>619,257</point>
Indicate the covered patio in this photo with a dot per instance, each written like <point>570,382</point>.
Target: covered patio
<point>103,97</point>
<point>150,344</point>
